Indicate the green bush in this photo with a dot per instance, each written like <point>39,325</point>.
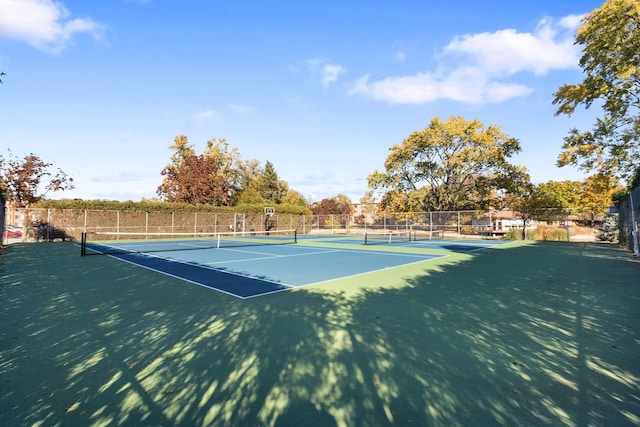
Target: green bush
<point>513,235</point>
<point>157,206</point>
<point>517,235</point>
<point>608,231</point>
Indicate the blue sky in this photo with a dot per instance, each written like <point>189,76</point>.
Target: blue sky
<point>322,90</point>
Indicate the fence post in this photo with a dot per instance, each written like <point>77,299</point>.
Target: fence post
<point>634,225</point>
<point>431,224</point>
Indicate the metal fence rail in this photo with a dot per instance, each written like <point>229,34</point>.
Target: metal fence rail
<point>629,219</point>
<point>73,222</point>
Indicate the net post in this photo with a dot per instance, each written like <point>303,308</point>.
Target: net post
<point>295,236</point>
<point>83,244</point>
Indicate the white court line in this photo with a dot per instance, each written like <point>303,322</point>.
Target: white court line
<point>287,285</point>
<point>269,256</point>
<point>350,276</point>
<point>319,252</point>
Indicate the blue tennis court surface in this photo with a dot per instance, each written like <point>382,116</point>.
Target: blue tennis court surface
<point>252,271</point>
<point>438,244</point>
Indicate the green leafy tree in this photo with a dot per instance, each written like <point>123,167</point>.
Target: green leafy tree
<point>533,202</point>
<point>609,229</point>
<point>548,201</point>
<point>292,197</point>
<point>250,196</point>
<point>30,179</point>
<point>269,185</point>
<point>450,165</point>
<point>610,42</point>
<point>564,194</point>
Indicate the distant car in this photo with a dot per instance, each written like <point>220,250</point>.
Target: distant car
<point>12,232</point>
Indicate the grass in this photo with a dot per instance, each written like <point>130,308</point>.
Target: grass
<point>527,334</point>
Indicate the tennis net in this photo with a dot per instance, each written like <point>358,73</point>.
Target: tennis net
<point>428,234</point>
<point>382,237</point>
<point>105,243</point>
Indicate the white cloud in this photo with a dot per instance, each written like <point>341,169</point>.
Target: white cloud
<point>571,22</point>
<point>43,24</point>
<point>314,64</point>
<point>473,67</point>
<point>508,52</point>
<point>330,74</point>
<point>204,116</point>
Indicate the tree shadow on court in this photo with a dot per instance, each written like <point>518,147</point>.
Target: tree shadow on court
<point>543,334</point>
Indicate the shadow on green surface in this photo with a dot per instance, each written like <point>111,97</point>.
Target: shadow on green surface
<point>531,335</point>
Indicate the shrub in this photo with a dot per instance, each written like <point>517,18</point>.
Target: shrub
<point>517,235</point>
<point>557,235</point>
<point>608,231</point>
<point>533,235</point>
<point>513,235</point>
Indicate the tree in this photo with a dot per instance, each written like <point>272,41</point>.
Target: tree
<point>293,197</point>
<point>238,172</point>
<point>269,185</point>
<point>608,231</point>
<point>597,195</point>
<point>533,202</point>
<point>337,205</point>
<point>24,179</point>
<point>610,41</point>
<point>448,166</point>
<point>182,149</point>
<point>250,196</point>
<point>219,164</point>
<point>196,180</point>
<point>564,194</point>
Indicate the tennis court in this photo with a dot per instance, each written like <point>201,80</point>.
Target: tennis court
<point>258,264</point>
<point>517,334</point>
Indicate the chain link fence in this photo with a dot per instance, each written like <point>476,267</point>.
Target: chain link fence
<point>69,224</point>
<point>629,221</point>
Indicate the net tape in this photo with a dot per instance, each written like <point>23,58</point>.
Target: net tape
<point>104,243</point>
